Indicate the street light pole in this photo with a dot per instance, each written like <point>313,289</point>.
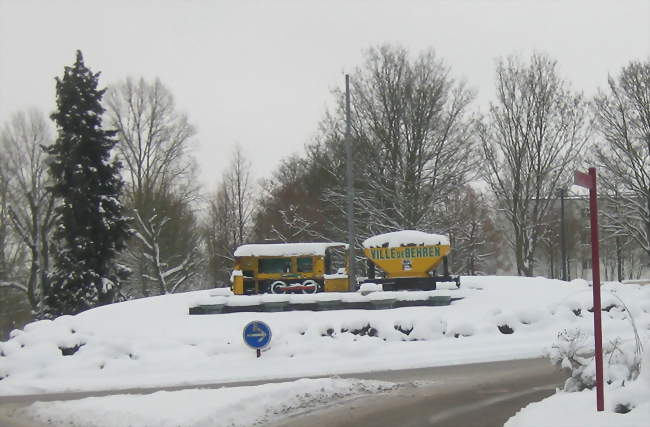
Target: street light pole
<point>352,271</point>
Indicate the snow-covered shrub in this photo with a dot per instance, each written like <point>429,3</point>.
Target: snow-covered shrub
<point>531,315</point>
<point>461,329</point>
<point>367,288</point>
<point>624,361</point>
<point>506,323</point>
<point>428,329</point>
<point>574,350</point>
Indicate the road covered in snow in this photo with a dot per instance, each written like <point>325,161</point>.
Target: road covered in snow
<point>153,342</point>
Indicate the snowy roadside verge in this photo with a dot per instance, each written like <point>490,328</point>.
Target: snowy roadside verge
<point>627,396</point>
<point>231,407</point>
<point>153,342</point>
<point>579,409</point>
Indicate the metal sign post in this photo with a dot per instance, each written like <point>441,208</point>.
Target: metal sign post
<point>589,181</point>
<point>562,192</point>
<point>257,335</point>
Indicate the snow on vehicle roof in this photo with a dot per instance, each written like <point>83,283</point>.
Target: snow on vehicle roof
<point>285,249</point>
<point>405,238</point>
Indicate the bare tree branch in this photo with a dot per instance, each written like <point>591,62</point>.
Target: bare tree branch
<point>623,119</point>
<point>14,285</point>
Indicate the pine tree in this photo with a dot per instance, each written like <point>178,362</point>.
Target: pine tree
<point>91,229</point>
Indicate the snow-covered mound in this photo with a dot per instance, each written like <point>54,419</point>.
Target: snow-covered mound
<point>153,341</point>
<point>405,238</point>
<point>579,409</point>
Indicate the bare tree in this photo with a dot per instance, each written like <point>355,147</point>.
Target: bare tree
<point>164,237</point>
<point>412,145</point>
<point>230,214</point>
<point>623,119</point>
<point>533,135</point>
<point>237,183</point>
<point>15,310</point>
<point>11,249</point>
<point>154,138</point>
<point>290,207</point>
<point>409,119</point>
<point>155,145</point>
<point>468,223</point>
<point>168,277</point>
<point>220,234</point>
<point>412,148</point>
<point>31,207</point>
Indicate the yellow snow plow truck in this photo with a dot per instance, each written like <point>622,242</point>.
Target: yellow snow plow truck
<point>408,259</point>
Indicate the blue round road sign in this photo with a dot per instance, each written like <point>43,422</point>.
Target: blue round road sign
<point>257,334</point>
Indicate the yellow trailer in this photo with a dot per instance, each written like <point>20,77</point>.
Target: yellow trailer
<point>408,260</point>
<point>289,268</point>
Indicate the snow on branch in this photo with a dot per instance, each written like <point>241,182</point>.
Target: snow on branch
<point>14,285</point>
<point>168,279</point>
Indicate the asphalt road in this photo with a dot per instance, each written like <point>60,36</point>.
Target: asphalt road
<point>479,395</point>
<point>482,394</point>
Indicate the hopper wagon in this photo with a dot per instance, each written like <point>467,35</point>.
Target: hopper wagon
<point>408,259</point>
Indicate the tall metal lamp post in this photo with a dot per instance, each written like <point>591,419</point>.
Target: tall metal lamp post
<point>352,270</point>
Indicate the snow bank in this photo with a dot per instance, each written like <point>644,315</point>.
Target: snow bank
<point>221,292</point>
<point>235,406</point>
<point>154,342</point>
<point>286,249</point>
<point>627,396</point>
<point>579,409</point>
<point>405,238</point>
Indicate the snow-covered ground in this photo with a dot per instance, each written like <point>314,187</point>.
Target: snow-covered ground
<point>578,409</point>
<point>236,406</point>
<point>154,342</point>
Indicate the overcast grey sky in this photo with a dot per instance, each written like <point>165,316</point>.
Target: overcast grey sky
<point>260,72</point>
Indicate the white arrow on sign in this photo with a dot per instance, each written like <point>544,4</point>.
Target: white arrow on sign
<point>260,334</point>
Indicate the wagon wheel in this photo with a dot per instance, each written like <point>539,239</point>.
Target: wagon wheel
<point>310,282</point>
<point>277,287</point>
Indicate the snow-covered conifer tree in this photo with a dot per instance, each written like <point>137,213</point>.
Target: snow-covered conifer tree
<point>90,228</point>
